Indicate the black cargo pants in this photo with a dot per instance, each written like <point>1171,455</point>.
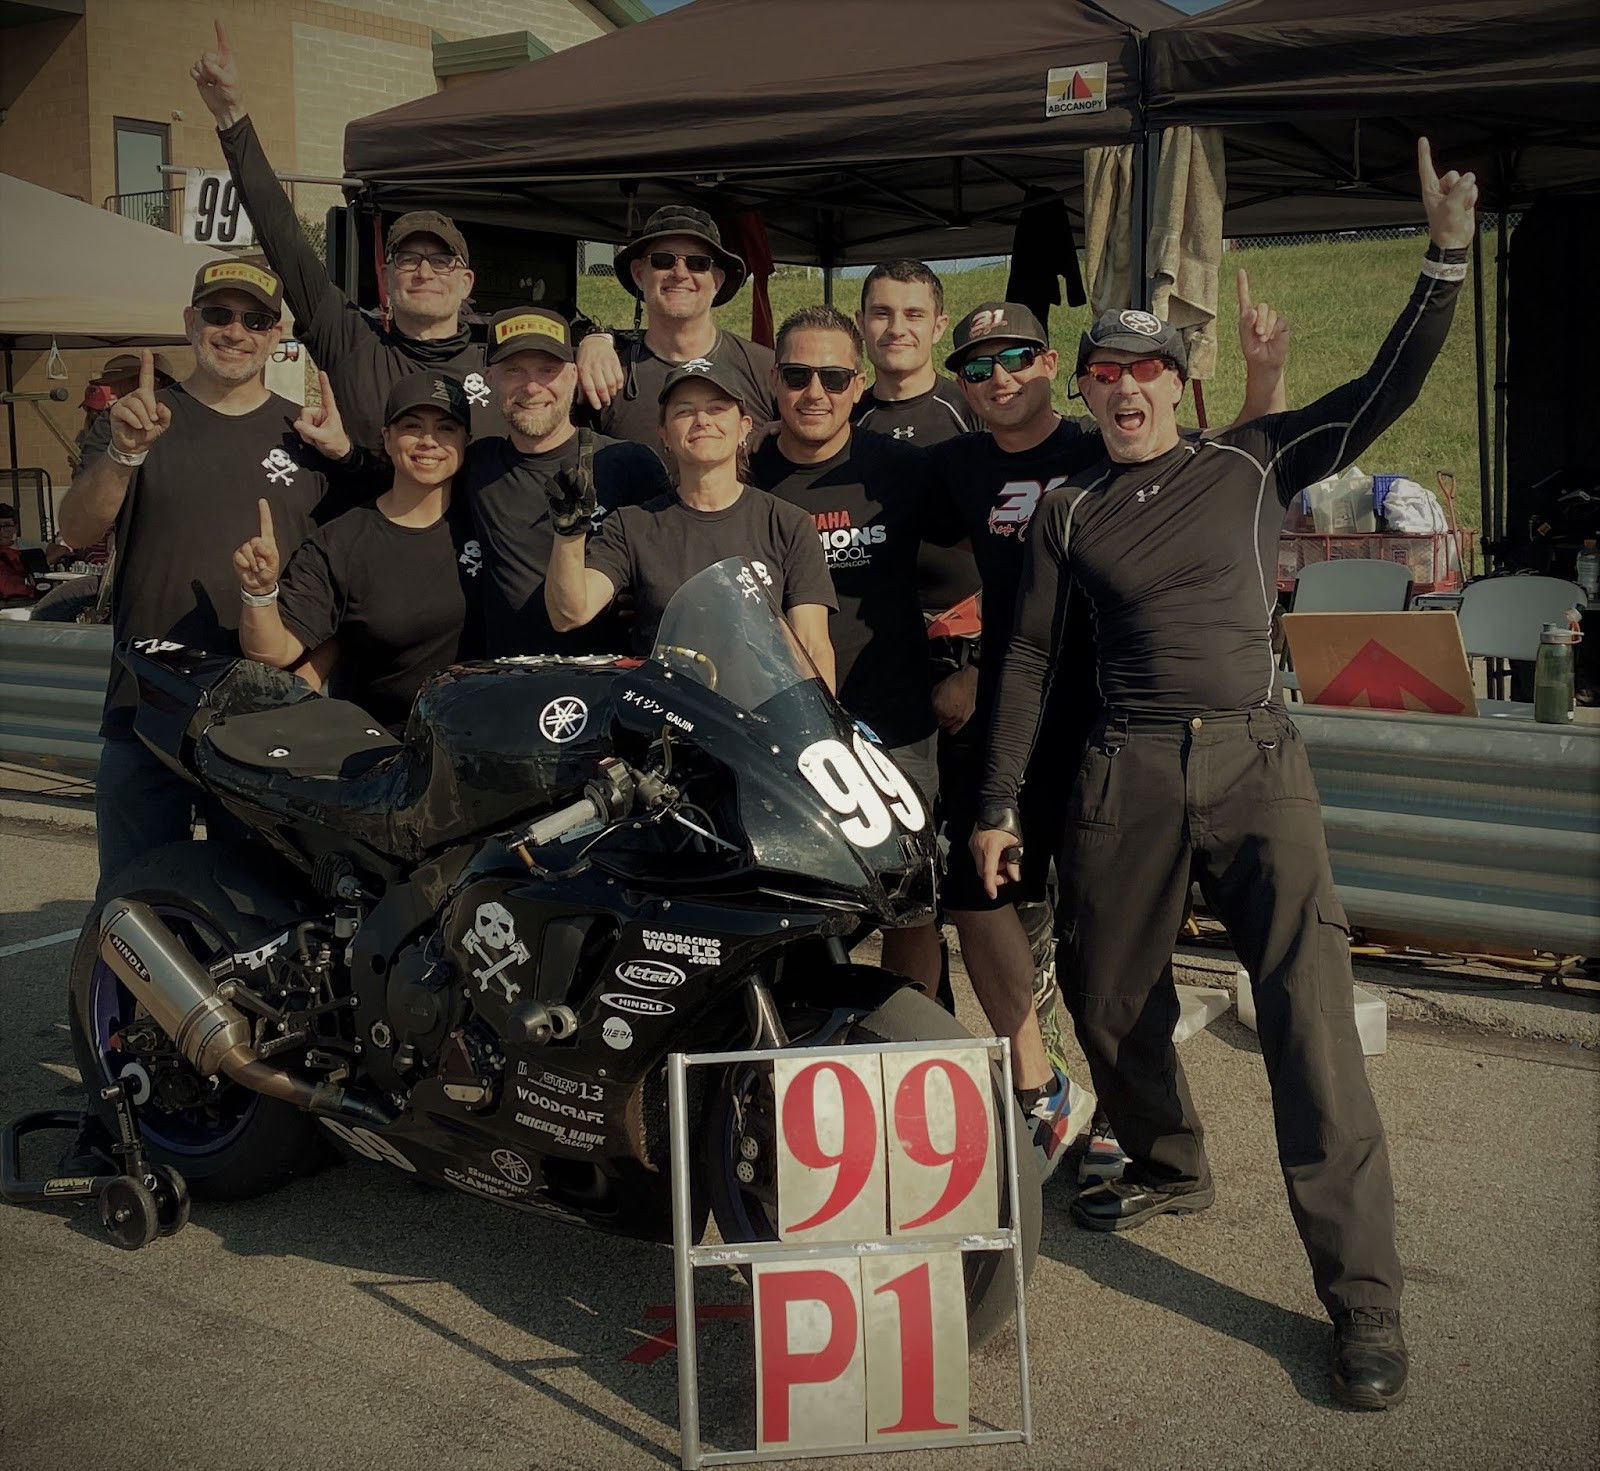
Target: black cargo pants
<point>1227,800</point>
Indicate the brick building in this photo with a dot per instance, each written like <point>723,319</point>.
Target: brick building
<point>95,96</point>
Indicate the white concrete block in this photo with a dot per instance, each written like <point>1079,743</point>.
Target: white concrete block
<point>1372,1015</point>
<point>1199,1006</point>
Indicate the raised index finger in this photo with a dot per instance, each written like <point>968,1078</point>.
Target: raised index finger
<point>1243,280</point>
<point>224,49</point>
<point>266,519</point>
<point>1425,169</point>
<point>147,373</point>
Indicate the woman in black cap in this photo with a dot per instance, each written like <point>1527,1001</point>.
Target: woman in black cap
<point>388,583</point>
<point>651,550</point>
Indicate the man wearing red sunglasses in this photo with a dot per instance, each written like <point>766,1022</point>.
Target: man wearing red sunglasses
<point>1195,772</point>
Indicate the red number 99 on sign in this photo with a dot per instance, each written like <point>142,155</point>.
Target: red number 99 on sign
<point>936,1175</point>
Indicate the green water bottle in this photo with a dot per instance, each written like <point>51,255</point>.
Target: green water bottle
<point>1554,686</point>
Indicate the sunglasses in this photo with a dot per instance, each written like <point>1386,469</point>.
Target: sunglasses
<point>225,316</point>
<point>1141,370</point>
<point>665,260</point>
<point>411,260</point>
<point>1012,359</point>
<point>797,376</point>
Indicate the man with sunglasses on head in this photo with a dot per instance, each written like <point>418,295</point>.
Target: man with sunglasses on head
<point>1006,371</point>
<point>1197,773</point>
<point>427,279</point>
<point>178,471</point>
<point>677,269</point>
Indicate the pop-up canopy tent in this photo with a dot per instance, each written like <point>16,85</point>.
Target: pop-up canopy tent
<point>858,130</point>
<point>1321,101</point>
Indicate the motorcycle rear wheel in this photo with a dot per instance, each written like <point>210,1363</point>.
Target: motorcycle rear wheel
<point>907,1016</point>
<point>237,1143</point>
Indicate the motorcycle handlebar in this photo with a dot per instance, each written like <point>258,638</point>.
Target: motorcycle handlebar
<point>549,829</point>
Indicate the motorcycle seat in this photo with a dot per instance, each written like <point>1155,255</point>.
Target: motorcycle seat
<point>316,738</point>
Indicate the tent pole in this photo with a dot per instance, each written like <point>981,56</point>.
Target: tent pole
<point>11,436</point>
<point>1480,364</point>
<point>825,254</point>
<point>1146,156</point>
<point>1501,303</point>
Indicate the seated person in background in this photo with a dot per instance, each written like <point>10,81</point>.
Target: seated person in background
<point>389,581</point>
<point>653,549</point>
<point>17,585</point>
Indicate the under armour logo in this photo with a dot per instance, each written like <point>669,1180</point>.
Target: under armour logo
<point>1149,493</point>
<point>909,432</point>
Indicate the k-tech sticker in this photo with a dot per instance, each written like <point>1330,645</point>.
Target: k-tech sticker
<point>866,790</point>
<point>637,1005</point>
<point>648,975</point>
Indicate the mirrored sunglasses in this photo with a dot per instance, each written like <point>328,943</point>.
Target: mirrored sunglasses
<point>796,376</point>
<point>665,260</point>
<point>1012,359</point>
<point>1141,370</point>
<point>224,316</point>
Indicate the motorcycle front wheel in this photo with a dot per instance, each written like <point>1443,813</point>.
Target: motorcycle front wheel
<point>740,1137</point>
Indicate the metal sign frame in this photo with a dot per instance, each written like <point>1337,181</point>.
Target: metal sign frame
<point>688,1257</point>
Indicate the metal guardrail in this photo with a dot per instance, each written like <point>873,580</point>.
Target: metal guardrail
<point>52,685</point>
<point>1480,830</point>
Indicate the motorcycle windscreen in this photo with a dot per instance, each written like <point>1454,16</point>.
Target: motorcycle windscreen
<point>822,798</point>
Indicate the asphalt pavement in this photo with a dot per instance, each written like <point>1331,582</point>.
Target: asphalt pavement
<point>354,1319</point>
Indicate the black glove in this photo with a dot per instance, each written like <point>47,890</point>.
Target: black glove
<point>571,491</point>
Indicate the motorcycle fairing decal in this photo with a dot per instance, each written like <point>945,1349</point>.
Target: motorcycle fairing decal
<point>369,1145</point>
<point>257,958</point>
<point>866,791</point>
<point>493,941</point>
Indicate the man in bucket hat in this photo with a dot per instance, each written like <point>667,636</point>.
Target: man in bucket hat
<point>677,269</point>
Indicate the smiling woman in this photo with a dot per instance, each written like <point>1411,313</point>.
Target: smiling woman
<point>382,596</point>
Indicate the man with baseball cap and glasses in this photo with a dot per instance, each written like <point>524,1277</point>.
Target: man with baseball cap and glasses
<point>1196,772</point>
<point>1006,370</point>
<point>427,278</point>
<point>677,269</point>
<point>178,471</point>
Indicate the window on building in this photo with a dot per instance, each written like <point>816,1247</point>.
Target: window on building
<point>141,186</point>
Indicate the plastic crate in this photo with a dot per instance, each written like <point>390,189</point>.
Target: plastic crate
<point>1440,561</point>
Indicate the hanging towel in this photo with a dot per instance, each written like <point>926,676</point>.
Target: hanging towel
<point>1186,240</point>
<point>1107,239</point>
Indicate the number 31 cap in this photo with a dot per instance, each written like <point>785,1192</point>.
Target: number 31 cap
<point>994,321</point>
<point>239,274</point>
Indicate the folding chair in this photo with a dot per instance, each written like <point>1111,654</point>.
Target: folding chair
<point>1347,585</point>
<point>1502,617</point>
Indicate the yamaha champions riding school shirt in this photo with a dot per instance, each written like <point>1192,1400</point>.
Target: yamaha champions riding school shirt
<point>1177,555</point>
<point>363,359</point>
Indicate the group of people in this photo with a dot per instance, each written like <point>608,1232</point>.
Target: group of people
<point>1119,715</point>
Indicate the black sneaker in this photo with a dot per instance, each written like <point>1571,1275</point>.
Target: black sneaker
<point>1122,1204</point>
<point>1370,1361</point>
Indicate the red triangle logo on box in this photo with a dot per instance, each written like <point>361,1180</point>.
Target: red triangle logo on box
<point>1385,679</point>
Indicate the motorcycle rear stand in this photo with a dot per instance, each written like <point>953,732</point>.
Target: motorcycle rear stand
<point>138,1201</point>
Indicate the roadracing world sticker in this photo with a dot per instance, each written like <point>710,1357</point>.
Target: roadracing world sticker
<point>1075,89</point>
<point>697,949</point>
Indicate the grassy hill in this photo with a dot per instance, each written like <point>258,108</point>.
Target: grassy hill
<point>1341,298</point>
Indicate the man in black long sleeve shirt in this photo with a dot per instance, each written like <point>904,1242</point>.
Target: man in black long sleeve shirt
<point>427,277</point>
<point>1196,772</point>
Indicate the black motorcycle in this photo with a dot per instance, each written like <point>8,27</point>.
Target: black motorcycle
<point>469,953</point>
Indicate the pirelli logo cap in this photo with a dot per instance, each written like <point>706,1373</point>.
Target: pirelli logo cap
<point>248,276</point>
<point>529,329</point>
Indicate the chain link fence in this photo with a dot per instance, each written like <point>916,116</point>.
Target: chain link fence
<point>1488,224</point>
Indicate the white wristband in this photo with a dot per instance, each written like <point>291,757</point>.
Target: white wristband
<point>131,459</point>
<point>259,600</point>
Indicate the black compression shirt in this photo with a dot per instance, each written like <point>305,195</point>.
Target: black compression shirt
<point>1177,555</point>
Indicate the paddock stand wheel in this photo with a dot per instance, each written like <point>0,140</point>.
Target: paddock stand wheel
<point>172,1200</point>
<point>128,1212</point>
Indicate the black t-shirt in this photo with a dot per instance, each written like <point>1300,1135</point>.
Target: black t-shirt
<point>362,358</point>
<point>635,415</point>
<point>398,598</point>
<point>653,549</point>
<point>1177,553</point>
<point>188,508</point>
<point>504,489</point>
<point>873,504</point>
<point>945,575</point>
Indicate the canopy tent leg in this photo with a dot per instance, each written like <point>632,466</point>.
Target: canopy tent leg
<point>1480,361</point>
<point>1146,158</point>
<point>825,253</point>
<point>1501,307</point>
<point>11,434</point>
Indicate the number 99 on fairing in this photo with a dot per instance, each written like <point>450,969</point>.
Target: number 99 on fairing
<point>865,790</point>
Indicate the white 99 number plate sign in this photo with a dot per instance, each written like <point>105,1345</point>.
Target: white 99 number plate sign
<point>859,1350</point>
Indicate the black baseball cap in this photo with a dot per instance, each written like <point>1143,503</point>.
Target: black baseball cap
<point>998,321</point>
<point>529,329</point>
<point>428,390</point>
<point>238,275</point>
<point>681,219</point>
<point>703,370</point>
<point>1134,331</point>
<point>426,222</point>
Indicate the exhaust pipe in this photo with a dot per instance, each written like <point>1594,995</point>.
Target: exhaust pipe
<point>212,1035</point>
